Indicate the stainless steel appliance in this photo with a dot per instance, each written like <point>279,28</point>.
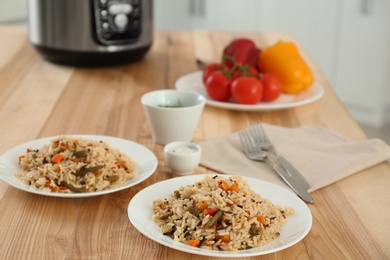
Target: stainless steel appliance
<point>91,32</point>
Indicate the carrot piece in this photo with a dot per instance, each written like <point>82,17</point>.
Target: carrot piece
<point>234,187</point>
<point>58,168</point>
<point>63,147</point>
<point>59,157</point>
<point>194,242</point>
<point>223,185</point>
<point>262,219</point>
<point>76,142</point>
<point>55,188</point>
<point>223,218</point>
<point>21,157</point>
<point>202,206</point>
<point>76,160</point>
<point>119,163</point>
<point>225,238</point>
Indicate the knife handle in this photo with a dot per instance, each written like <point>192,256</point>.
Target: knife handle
<point>290,169</point>
<point>291,181</point>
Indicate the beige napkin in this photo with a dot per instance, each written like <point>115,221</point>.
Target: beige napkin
<point>321,156</point>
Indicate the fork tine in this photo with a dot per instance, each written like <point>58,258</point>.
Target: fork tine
<point>261,128</point>
<point>247,141</point>
<point>244,141</point>
<point>259,132</point>
<point>256,132</point>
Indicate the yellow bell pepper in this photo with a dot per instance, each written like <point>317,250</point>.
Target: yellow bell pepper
<point>284,61</point>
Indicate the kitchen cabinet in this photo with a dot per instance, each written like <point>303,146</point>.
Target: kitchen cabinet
<point>12,11</point>
<point>170,14</point>
<point>362,67</point>
<point>202,14</point>
<point>349,39</point>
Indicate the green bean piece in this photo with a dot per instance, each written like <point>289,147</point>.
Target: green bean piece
<point>84,171</point>
<point>254,230</point>
<point>72,188</point>
<point>80,154</point>
<point>194,210</point>
<point>166,229</point>
<point>214,219</point>
<point>112,178</point>
<point>167,215</point>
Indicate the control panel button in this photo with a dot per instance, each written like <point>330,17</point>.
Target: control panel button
<point>127,8</point>
<point>118,21</point>
<point>103,3</point>
<point>103,14</point>
<point>121,20</point>
<point>115,9</point>
<point>136,25</point>
<point>136,12</point>
<point>105,26</point>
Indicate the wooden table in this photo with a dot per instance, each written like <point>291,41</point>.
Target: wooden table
<point>39,99</point>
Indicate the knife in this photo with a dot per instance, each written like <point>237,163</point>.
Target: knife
<point>290,168</point>
<point>292,182</point>
<point>265,144</point>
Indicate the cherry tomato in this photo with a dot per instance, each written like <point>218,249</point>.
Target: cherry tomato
<point>272,87</point>
<point>218,86</point>
<point>210,69</point>
<point>245,70</point>
<point>247,90</point>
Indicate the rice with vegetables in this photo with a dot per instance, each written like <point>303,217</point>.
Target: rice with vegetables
<point>72,164</point>
<point>220,214</point>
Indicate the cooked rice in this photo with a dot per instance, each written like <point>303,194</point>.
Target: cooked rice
<point>246,219</point>
<point>74,164</point>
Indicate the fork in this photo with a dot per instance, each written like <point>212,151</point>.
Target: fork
<point>265,144</point>
<point>254,152</point>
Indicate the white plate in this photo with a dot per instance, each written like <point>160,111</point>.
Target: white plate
<point>140,211</point>
<point>146,160</point>
<point>192,82</point>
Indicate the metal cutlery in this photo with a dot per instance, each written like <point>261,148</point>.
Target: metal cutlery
<point>265,144</point>
<point>254,152</point>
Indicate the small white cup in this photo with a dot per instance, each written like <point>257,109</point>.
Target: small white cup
<point>172,115</point>
<point>182,157</point>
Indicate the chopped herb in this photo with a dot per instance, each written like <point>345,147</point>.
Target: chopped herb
<point>178,104</point>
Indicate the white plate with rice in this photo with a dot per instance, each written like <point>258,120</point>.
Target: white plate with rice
<point>141,211</point>
<point>145,160</point>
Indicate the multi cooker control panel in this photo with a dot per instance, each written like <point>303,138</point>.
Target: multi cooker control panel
<point>117,21</point>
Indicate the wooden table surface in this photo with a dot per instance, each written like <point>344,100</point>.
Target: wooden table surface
<point>39,99</point>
